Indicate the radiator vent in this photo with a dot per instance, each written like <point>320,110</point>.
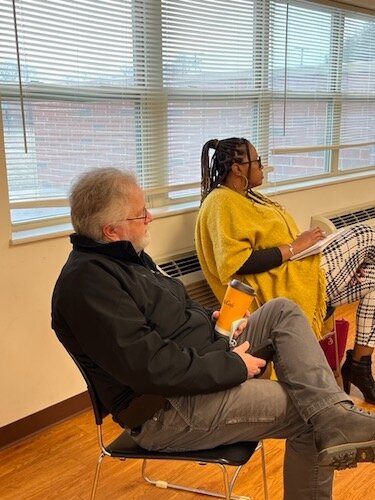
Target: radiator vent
<point>187,269</point>
<point>181,266</point>
<point>348,219</point>
<point>335,220</point>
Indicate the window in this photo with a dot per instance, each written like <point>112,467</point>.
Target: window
<point>322,80</point>
<point>142,84</point>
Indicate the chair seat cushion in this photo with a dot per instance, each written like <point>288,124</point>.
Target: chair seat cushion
<point>231,454</point>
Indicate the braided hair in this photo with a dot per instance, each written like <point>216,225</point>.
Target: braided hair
<point>227,152</point>
<point>214,172</point>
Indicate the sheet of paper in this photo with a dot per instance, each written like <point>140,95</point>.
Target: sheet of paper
<point>318,246</point>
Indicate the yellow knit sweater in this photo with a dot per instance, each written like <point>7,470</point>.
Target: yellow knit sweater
<point>230,226</point>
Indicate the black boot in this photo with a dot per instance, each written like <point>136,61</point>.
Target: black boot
<point>359,374</point>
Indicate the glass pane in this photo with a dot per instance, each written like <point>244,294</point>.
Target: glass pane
<point>358,72</point>
<point>363,156</point>
<point>208,46</point>
<point>192,123</point>
<point>65,138</point>
<point>69,43</point>
<point>306,123</point>
<point>357,125</point>
<point>357,121</point>
<point>306,51</point>
<point>298,166</point>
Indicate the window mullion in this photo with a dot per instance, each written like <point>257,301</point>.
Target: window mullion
<point>262,69</point>
<point>151,112</point>
<point>336,60</point>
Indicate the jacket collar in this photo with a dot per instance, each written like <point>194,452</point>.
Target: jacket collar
<point>122,250</point>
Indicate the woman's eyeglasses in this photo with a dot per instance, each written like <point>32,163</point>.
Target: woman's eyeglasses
<point>258,160</point>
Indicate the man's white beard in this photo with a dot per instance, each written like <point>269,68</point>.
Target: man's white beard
<point>143,243</point>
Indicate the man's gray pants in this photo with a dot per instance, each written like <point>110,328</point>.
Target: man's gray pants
<point>260,408</point>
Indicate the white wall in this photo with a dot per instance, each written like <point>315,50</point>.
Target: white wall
<point>35,371</point>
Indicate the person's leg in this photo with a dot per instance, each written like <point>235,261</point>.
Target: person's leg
<point>362,291</point>
<point>299,361</point>
<point>344,434</point>
<point>303,477</point>
<point>349,263</point>
<point>255,410</point>
<point>357,368</point>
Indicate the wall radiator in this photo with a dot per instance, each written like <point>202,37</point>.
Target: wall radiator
<point>186,268</point>
<point>331,221</point>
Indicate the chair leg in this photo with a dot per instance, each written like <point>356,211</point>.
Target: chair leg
<point>228,486</point>
<point>264,471</point>
<point>96,478</point>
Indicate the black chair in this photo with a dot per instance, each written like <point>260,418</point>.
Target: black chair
<point>124,447</point>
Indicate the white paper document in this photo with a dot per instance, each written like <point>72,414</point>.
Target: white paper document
<point>318,246</point>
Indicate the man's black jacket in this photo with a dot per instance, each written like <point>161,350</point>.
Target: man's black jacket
<point>137,330</point>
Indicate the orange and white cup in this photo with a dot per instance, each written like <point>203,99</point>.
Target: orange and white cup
<point>236,302</point>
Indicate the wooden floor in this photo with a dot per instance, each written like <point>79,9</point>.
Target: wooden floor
<point>59,463</point>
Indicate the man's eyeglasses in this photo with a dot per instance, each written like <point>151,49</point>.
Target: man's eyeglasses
<point>143,216</point>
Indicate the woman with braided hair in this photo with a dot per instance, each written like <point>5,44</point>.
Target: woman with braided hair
<point>244,234</point>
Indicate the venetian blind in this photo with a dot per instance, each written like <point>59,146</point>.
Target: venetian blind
<point>143,84</point>
<point>323,85</point>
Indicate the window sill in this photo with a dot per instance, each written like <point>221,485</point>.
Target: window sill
<point>40,233</point>
<point>62,230</point>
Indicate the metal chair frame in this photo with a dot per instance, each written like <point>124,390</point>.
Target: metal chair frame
<point>124,447</point>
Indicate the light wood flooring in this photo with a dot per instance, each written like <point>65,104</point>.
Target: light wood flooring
<point>59,463</point>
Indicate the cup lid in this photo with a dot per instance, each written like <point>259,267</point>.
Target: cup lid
<point>243,287</point>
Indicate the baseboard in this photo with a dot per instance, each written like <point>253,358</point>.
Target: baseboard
<point>38,421</point>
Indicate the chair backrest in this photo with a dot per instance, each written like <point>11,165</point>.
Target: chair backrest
<point>100,411</point>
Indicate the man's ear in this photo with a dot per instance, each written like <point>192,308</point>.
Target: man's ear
<point>110,233</point>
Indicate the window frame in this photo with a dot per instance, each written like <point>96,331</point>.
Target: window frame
<point>148,100</point>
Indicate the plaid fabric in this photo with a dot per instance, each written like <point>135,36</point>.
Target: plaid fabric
<point>353,250</point>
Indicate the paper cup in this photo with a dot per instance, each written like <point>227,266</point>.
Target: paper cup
<point>237,300</point>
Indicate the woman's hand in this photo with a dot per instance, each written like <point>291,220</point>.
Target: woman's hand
<point>358,277</point>
<point>307,239</point>
<point>303,241</point>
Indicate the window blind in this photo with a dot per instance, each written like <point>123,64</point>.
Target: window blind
<point>143,84</point>
<point>322,81</point>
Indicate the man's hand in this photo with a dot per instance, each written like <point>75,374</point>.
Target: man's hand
<point>241,326</point>
<point>253,364</point>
